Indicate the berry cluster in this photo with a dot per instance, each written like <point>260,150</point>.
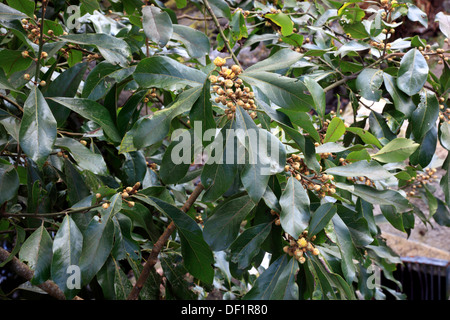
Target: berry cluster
<point>230,89</point>
<point>127,192</point>
<point>422,179</point>
<point>320,183</point>
<point>297,248</point>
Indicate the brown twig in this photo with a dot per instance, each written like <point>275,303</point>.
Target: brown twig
<point>225,39</point>
<point>159,244</point>
<point>15,104</point>
<point>41,41</point>
<point>25,272</point>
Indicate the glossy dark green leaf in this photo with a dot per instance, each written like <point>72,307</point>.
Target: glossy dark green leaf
<point>247,245</point>
<point>368,84</point>
<point>65,85</point>
<point>266,154</point>
<point>285,92</point>
<point>166,73</point>
<point>124,244</point>
<point>426,150</point>
<point>218,176</point>
<point>413,72</point>
<point>66,248</point>
<point>98,241</point>
<point>425,116</point>
<point>12,61</point>
<point>444,135</point>
<point>85,158</point>
<point>175,164</point>
<point>220,8</point>
<point>442,215</point>
<point>37,251</point>
<point>201,113</point>
<point>9,182</point>
<point>99,81</point>
<point>277,282</point>
<point>318,96</point>
<point>157,25</point>
<point>378,197</point>
<point>394,217</point>
<point>196,42</point>
<point>320,218</point>
<point>133,168</point>
<point>295,212</point>
<point>372,170</point>
<point>16,11</point>
<point>93,111</point>
<point>152,130</point>
<point>222,228</point>
<point>77,189</point>
<point>113,49</point>
<point>38,128</point>
<point>379,127</point>
<point>402,102</point>
<point>346,247</point>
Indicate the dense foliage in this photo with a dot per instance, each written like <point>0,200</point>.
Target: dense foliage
<point>95,97</point>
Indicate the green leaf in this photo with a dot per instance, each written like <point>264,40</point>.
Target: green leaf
<point>425,116</point>
<point>196,42</point>
<point>171,172</point>
<point>10,14</point>
<point>77,189</point>
<point>372,170</point>
<point>283,21</point>
<point>295,213</point>
<point>318,96</point>
<point>247,245</point>
<point>426,150</point>
<point>263,161</point>
<point>196,253</point>
<point>222,228</point>
<point>93,111</point>
<point>378,197</point>
<point>365,136</point>
<point>285,92</point>
<point>352,46</point>
<point>413,72</point>
<point>9,182</point>
<point>415,14</point>
<point>202,111</point>
<point>157,25</point>
<point>442,215</point>
<point>396,150</point>
<point>379,127</point>
<point>368,84</point>
<point>280,60</point>
<point>37,131</point>
<point>218,176</point>
<point>166,73</point>
<point>99,81</point>
<point>444,23</point>
<point>90,5</point>
<point>395,218</point>
<point>346,247</point>
<point>152,130</point>
<point>12,61</point>
<point>37,251</point>
<point>66,252</point>
<point>113,49</point>
<point>356,30</point>
<point>402,102</point>
<point>277,282</point>
<point>98,241</point>
<point>444,137</point>
<point>65,85</point>
<point>320,218</point>
<point>86,159</point>
<point>220,8</point>
<point>336,128</point>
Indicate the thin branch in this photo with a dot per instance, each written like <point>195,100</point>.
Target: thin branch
<point>41,42</point>
<point>159,244</point>
<point>186,16</point>
<point>15,104</point>
<point>52,214</point>
<point>25,272</point>
<point>225,39</point>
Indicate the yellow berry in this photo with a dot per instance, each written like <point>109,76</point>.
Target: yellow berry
<point>315,251</point>
<point>219,62</point>
<point>105,205</point>
<point>131,204</point>
<point>302,242</point>
<point>98,195</point>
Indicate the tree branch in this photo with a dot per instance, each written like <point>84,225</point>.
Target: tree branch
<point>159,244</point>
<point>25,272</point>
<point>225,39</point>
